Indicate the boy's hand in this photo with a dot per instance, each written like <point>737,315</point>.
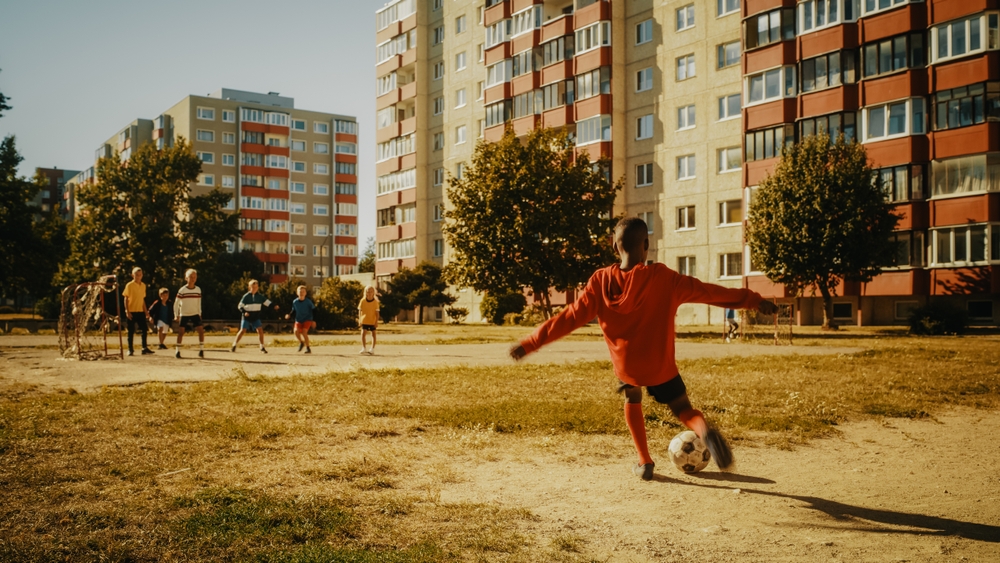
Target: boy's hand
<point>518,352</point>
<point>767,307</point>
<point>275,307</point>
<point>288,316</point>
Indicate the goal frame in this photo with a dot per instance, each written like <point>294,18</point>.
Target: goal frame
<point>72,339</point>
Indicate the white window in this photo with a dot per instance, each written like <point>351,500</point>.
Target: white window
<point>459,24</point>
<point>299,229</point>
<point>299,250</point>
<point>685,117</point>
<point>346,148</point>
<point>299,124</point>
<point>439,70</point>
<point>730,212</point>
<point>205,136</point>
<point>771,85</point>
<point>460,98</point>
<point>321,127</point>
<point>228,116</point>
<point>644,127</point>
<point>345,230</point>
<point>725,7</point>
<point>685,67</point>
<point>207,180</point>
<point>207,114</point>
<point>439,247</point>
<point>526,20</point>
<point>593,130</point>
<point>298,166</point>
<point>228,181</point>
<point>499,73</point>
<point>275,184</point>
<point>460,134</point>
<point>964,245</point>
<point>644,175</point>
<point>685,17</point>
<point>277,204</point>
<point>321,271</point>
<point>297,145</point>
<point>438,213</point>
<point>438,176</point>
<point>644,32</point>
<point>207,157</point>
<point>343,126</point>
<point>685,218</point>
<point>874,6</point>
<point>812,15</point>
<point>321,148</point>
<point>482,52</point>
<point>321,231</point>
<point>348,209</point>
<point>438,35</point>
<point>321,209</point>
<point>685,167</point>
<point>729,107</point>
<point>731,265</point>
<point>277,161</point>
<point>229,138</point>
<point>297,187</point>
<point>230,206</point>
<point>321,189</point>
<point>439,105</point>
<point>459,170</point>
<point>437,4</point>
<point>482,89</point>
<point>460,61</point>
<point>894,119</point>
<point>648,217</point>
<point>687,266</point>
<point>963,37</point>
<point>321,168</point>
<point>730,159</point>
<point>498,33</point>
<point>438,141</point>
<point>644,80</point>
<point>966,174</point>
<point>728,54</point>
<point>593,36</point>
<point>297,208</point>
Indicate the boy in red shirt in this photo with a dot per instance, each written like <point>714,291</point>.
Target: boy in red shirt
<point>635,305</point>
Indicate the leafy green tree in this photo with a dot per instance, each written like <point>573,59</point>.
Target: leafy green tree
<point>141,212</point>
<point>22,252</point>
<point>821,218</point>
<point>337,304</point>
<point>495,306</point>
<point>367,262</point>
<point>423,286</point>
<point>529,214</point>
<point>3,104</point>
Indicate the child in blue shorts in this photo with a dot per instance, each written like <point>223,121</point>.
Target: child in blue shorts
<point>251,306</point>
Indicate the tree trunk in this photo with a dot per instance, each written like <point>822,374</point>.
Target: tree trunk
<point>420,314</point>
<point>827,308</point>
<point>547,304</point>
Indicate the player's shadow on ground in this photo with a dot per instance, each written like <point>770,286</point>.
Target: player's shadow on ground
<point>929,525</point>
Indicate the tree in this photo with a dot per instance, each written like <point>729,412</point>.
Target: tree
<point>367,262</point>
<point>141,212</point>
<point>337,303</point>
<point>423,286</point>
<point>20,247</point>
<point>821,218</point>
<point>529,214</point>
<point>3,104</point>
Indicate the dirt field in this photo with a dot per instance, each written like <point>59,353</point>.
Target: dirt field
<point>924,490</point>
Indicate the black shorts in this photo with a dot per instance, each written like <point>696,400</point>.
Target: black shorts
<point>368,327</point>
<point>187,323</point>
<point>665,392</point>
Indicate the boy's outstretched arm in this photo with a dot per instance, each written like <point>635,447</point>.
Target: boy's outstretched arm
<point>575,315</point>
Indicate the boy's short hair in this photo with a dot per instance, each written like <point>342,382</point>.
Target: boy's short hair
<point>251,282</point>
<point>136,269</point>
<point>371,287</point>
<point>631,231</point>
<point>164,290</point>
<point>302,287</point>
<point>188,272</point>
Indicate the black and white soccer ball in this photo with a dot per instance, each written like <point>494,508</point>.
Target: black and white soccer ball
<point>688,452</point>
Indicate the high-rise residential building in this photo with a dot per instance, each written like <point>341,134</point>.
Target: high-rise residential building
<point>51,198</point>
<point>916,82</point>
<point>292,174</point>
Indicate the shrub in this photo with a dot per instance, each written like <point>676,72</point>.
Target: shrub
<point>495,307</point>
<point>48,308</point>
<point>938,318</point>
<point>337,304</point>
<point>532,315</point>
<point>512,319</point>
<point>457,314</point>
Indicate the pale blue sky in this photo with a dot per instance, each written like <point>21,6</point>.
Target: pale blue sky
<point>78,71</point>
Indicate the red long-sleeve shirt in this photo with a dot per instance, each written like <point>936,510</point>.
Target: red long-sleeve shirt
<point>636,311</point>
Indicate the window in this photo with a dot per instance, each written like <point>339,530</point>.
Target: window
<point>644,175</point>
<point>460,98</point>
<point>275,184</point>
<point>771,85</point>
<point>207,114</point>
<point>843,311</point>
<point>829,71</point>
<point>459,24</point>
<point>499,112</point>
<point>966,174</point>
<point>498,33</point>
<point>321,168</point>
<point>726,7</point>
<point>482,52</point>
<point>644,32</point>
<point>648,217</point>
<point>438,141</point>
<point>525,62</point>
<point>347,209</point>
<point>439,105</point>
<point>321,148</point>
<point>728,55</point>
<point>276,161</point>
<point>321,127</point>
<point>644,80</point>
<point>298,125</point>
<point>768,143</point>
<point>685,167</point>
<point>729,159</point>
<point>593,130</point>
<point>731,265</point>
<point>344,188</point>
<point>593,36</point>
<point>321,209</point>
<point>438,35</point>
<point>818,14</point>
<point>437,4</point>
<point>345,230</point>
<point>909,249</point>
<point>558,50</point>
<point>321,231</point>
<point>685,67</point>
<point>252,159</point>
<point>228,116</point>
<point>438,176</point>
<point>499,73</point>
<point>298,166</point>
<point>403,248</point>
<point>277,204</point>
<point>386,183</point>
<point>873,6</point>
<point>644,127</point>
<point>893,54</point>
<point>557,94</point>
<point>321,189</point>
<point>438,213</point>
<point>229,138</point>
<point>460,61</point>
<point>207,180</point>
<point>832,125</point>
<point>964,37</point>
<point>299,250</point>
<point>981,310</point>
<point>526,20</point>
<point>687,266</point>
<point>769,27</point>
<point>968,105</point>
<point>685,218</point>
<point>348,127</point>
<point>593,83</point>
<point>459,170</point>
<point>297,145</point>
<point>729,106</point>
<point>345,168</point>
<point>438,247</point>
<point>730,212</point>
<point>685,117</point>
<point>460,134</point>
<point>966,244</point>
<point>228,181</point>
<point>205,136</point>
<point>902,183</point>
<point>297,187</point>
<point>207,157</point>
<point>895,119</point>
<point>252,115</point>
<point>685,17</point>
<point>439,70</point>
<point>299,229</point>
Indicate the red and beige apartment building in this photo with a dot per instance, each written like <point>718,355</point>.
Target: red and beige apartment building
<point>692,102</point>
<point>916,82</point>
<point>292,174</point>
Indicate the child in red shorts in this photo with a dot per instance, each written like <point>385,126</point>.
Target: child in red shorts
<point>635,305</point>
<point>302,308</point>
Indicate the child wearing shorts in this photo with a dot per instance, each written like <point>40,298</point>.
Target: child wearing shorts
<point>162,314</point>
<point>302,309</point>
<point>368,310</point>
<point>251,305</point>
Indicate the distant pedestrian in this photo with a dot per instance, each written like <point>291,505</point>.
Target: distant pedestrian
<point>368,310</point>
<point>135,310</point>
<point>251,306</point>
<point>302,310</point>
<point>731,325</point>
<point>161,314</point>
<point>187,308</point>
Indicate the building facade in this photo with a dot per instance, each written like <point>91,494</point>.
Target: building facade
<point>51,198</point>
<point>292,174</point>
<point>916,82</point>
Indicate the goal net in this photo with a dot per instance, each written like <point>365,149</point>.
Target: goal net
<point>89,314</point>
<point>757,328</point>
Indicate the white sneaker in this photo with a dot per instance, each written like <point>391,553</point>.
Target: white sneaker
<point>363,352</point>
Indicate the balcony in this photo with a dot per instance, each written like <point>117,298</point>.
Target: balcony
<point>973,208</point>
<point>493,134</point>
<point>913,148</point>
<point>595,151</point>
<point>265,128</point>
<point>974,139</point>
<point>895,87</point>
<point>391,97</point>
<point>390,132</point>
<point>389,65</point>
<point>497,53</point>
<point>967,71</point>
<point>913,216</point>
<point>973,280</point>
<point>496,12</point>
<point>496,93</point>
<point>524,125</point>
<point>557,27</point>
<point>831,100</point>
<point>893,22</point>
<point>757,170</point>
<point>525,83</point>
<point>591,107</point>
<point>408,91</point>
<point>591,60</point>
<point>769,114</point>
<point>830,39</point>
<point>777,54</point>
<point>408,126</point>
<point>593,13</point>
<point>558,117</point>
<point>562,70</point>
<point>898,282</point>
<point>751,7</point>
<point>947,10</point>
<point>526,41</point>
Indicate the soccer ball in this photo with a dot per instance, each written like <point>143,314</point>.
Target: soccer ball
<point>688,452</point>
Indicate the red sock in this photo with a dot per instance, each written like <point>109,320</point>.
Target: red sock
<point>695,420</point>
<point>637,427</point>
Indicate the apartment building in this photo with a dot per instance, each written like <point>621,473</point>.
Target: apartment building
<point>292,174</point>
<point>639,82</point>
<point>50,198</point>
<point>918,83</point>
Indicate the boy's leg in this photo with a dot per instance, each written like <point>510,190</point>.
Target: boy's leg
<point>674,394</point>
<point>374,339</point>
<point>180,338</point>
<point>364,340</point>
<point>130,323</point>
<point>141,321</point>
<point>239,335</point>
<point>305,336</point>
<point>201,341</point>
<point>260,337</point>
<point>636,423</point>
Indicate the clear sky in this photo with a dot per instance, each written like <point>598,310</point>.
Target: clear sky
<point>76,72</point>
